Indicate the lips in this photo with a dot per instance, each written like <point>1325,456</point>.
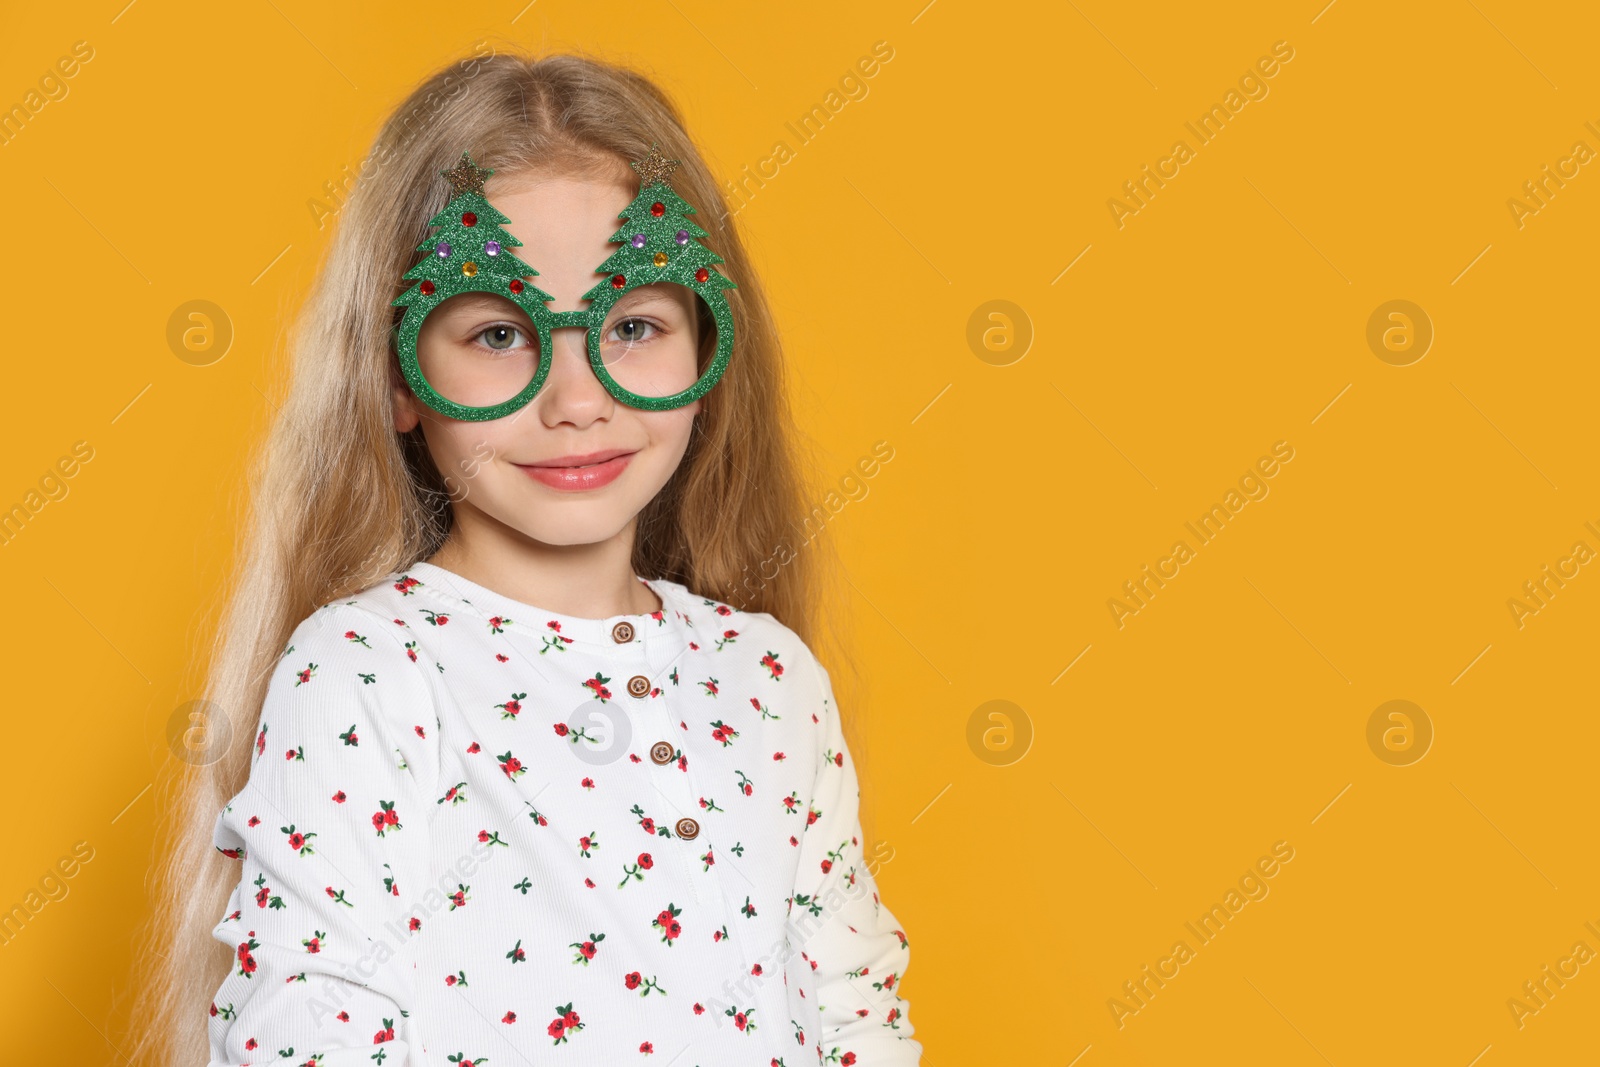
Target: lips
<point>585,460</point>
<point>577,473</point>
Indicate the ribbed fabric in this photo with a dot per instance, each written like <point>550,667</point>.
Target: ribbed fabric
<point>477,832</point>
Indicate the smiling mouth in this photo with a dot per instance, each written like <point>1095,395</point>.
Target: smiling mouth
<point>594,459</point>
<point>591,475</point>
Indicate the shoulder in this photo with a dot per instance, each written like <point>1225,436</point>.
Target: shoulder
<point>764,638</point>
<point>347,668</point>
<point>350,637</point>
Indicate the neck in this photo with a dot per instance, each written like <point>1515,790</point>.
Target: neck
<point>587,581</point>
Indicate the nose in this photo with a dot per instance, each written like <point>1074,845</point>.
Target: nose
<point>571,392</point>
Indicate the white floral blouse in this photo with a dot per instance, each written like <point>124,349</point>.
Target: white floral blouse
<point>476,832</point>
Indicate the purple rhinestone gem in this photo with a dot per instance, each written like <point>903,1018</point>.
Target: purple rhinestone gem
<point>442,249</point>
<point>492,248</point>
<point>683,237</point>
<point>638,240</point>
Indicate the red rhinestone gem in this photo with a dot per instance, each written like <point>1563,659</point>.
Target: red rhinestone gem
<point>618,281</point>
<point>427,288</point>
<point>516,285</point>
<point>469,219</point>
<point>701,275</point>
<point>658,209</point>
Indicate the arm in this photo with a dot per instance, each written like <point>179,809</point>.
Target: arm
<point>320,927</point>
<point>852,941</point>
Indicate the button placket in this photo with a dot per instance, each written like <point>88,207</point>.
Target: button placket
<point>676,787</point>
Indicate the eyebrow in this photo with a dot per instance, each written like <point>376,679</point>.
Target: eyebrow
<point>477,300</point>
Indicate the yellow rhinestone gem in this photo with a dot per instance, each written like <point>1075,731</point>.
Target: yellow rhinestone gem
<point>661,259</point>
<point>470,269</point>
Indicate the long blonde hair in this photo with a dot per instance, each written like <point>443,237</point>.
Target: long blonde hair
<point>340,499</point>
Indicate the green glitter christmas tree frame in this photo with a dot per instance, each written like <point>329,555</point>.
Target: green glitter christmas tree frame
<point>470,252</point>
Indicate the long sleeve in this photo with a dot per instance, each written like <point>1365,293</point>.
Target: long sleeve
<point>855,945</point>
<point>331,831</point>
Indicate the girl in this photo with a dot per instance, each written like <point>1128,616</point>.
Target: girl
<point>522,754</point>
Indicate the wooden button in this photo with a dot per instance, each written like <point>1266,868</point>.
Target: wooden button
<point>661,753</point>
<point>688,829</point>
<point>639,686</point>
<point>622,633</point>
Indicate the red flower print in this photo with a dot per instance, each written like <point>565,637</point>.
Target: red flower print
<point>386,820</point>
<point>587,949</point>
<point>509,1017</point>
<point>667,923</point>
<point>300,842</point>
<point>247,962</point>
<point>565,1023</point>
<point>597,685</point>
<point>631,980</point>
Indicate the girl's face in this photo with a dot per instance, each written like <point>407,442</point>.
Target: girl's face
<point>575,466</point>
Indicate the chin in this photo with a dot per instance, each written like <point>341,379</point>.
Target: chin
<point>551,517</point>
<point>572,530</point>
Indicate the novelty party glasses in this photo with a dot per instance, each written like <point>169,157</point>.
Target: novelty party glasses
<point>485,366</point>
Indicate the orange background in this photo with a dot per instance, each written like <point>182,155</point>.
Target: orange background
<point>1228,313</point>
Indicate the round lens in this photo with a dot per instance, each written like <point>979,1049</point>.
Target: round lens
<point>654,337</point>
<point>478,349</point>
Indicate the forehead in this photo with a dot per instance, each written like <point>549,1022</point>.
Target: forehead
<point>560,214</point>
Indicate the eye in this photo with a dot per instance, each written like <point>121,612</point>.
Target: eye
<point>500,338</point>
<point>633,331</point>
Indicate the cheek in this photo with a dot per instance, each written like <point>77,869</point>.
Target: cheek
<point>460,450</point>
<point>670,431</point>
<point>668,434</point>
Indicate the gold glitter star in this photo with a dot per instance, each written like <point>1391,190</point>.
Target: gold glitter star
<point>654,168</point>
<point>466,176</point>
